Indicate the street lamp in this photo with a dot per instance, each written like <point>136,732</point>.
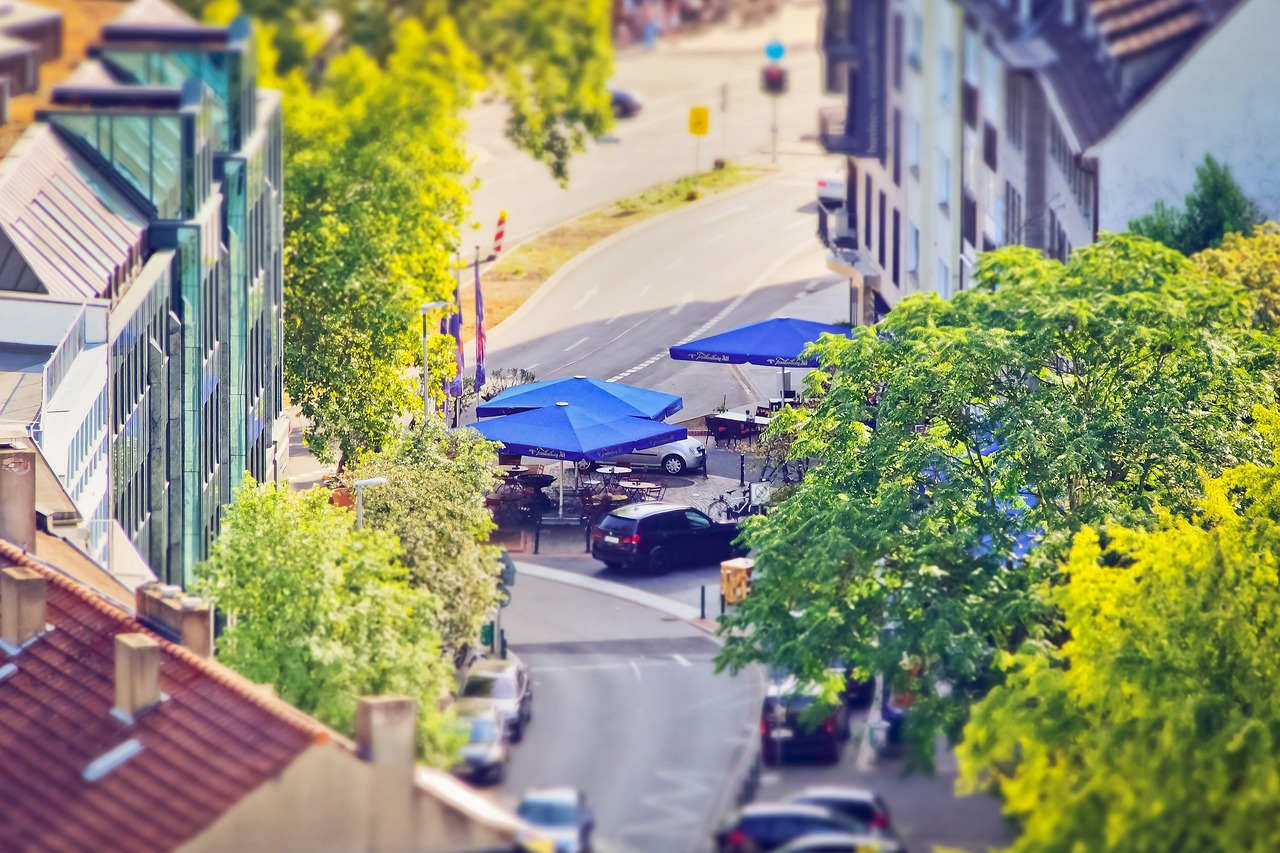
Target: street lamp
<point>360,484</point>
<point>427,308</point>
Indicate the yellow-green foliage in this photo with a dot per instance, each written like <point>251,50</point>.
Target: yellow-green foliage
<point>1155,727</point>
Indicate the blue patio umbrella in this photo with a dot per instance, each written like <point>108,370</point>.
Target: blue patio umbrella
<point>569,433</point>
<point>777,342</point>
<point>607,399</point>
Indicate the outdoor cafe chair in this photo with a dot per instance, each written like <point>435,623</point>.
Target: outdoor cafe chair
<point>656,493</point>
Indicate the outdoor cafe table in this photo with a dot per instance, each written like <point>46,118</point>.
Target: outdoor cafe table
<point>611,473</point>
<point>635,489</point>
<point>513,470</point>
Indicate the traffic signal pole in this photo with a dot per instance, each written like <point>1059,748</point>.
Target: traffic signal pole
<point>775,128</point>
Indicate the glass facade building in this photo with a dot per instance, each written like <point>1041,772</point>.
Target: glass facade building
<point>195,346</point>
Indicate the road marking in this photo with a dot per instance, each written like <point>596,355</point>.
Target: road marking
<point>609,322</point>
<point>675,262</point>
<point>724,312</point>
<point>685,300</point>
<point>576,344</point>
<point>726,213</point>
<point>680,659</point>
<point>646,288</point>
<point>587,296</point>
<point>636,669</point>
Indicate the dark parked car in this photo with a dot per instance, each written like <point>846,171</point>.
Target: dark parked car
<point>507,685</point>
<point>788,728</point>
<point>840,842</point>
<point>763,827</point>
<point>656,536</point>
<point>860,804</point>
<point>484,758</point>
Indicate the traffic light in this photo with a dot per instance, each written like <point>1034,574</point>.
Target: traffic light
<point>774,79</point>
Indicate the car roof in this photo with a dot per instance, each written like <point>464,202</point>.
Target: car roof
<point>836,792</point>
<point>563,794</point>
<point>474,707</point>
<point>791,686</point>
<point>772,809</point>
<point>646,509</point>
<point>823,839</point>
<point>491,666</point>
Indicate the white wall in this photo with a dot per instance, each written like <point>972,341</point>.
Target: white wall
<point>1221,101</point>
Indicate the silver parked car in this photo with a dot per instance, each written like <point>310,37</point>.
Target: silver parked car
<point>674,457</point>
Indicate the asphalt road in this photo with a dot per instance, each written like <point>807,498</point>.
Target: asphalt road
<point>655,146</point>
<point>727,260</point>
<point>627,708</point>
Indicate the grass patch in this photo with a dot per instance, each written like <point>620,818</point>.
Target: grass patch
<point>508,283</point>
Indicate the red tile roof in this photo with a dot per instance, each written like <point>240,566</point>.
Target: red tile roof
<point>215,738</point>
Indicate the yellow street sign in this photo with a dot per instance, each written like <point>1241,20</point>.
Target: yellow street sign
<point>699,120</point>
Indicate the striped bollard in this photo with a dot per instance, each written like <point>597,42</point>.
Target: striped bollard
<point>502,230</point>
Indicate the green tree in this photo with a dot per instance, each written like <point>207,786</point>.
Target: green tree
<point>322,612</point>
<point>375,194</point>
<point>433,501</point>
<point>1216,206</point>
<point>1047,397</point>
<point>1155,726</point>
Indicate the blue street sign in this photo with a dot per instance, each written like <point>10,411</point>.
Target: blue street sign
<point>775,50</point>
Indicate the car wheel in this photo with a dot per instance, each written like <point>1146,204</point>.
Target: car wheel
<point>499,773</point>
<point>517,732</point>
<point>612,565</point>
<point>673,465</point>
<point>659,561</point>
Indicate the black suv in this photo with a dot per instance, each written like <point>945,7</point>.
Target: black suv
<point>656,536</point>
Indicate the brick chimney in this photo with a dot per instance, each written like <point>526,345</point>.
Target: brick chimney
<point>184,618</point>
<point>22,596</point>
<point>386,728</point>
<point>18,497</point>
<point>137,673</point>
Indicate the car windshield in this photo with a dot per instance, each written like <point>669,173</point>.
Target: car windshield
<point>489,687</point>
<point>548,812</point>
<point>483,730</point>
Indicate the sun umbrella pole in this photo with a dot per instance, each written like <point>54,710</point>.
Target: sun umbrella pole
<point>562,488</point>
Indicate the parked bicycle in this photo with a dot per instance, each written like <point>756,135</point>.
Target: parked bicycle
<point>737,502</point>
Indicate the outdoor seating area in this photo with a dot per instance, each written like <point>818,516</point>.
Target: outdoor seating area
<point>520,499</point>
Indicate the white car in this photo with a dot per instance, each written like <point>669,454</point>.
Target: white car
<point>562,814</point>
<point>831,190</point>
<point>674,457</point>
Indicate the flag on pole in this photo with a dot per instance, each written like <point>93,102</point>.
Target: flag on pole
<point>455,329</point>
<point>480,336</point>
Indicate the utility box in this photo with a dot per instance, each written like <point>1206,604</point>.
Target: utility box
<point>735,579</point>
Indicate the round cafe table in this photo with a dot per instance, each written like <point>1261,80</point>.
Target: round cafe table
<point>611,473</point>
<point>513,470</point>
<point>635,489</point>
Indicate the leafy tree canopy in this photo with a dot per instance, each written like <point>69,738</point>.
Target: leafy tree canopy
<point>375,193</point>
<point>1154,727</point>
<point>322,612</point>
<point>1253,263</point>
<point>1048,397</point>
<point>1216,206</point>
<point>433,501</point>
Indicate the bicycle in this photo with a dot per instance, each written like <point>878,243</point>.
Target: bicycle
<point>740,501</point>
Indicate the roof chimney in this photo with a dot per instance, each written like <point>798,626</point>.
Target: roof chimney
<point>386,727</point>
<point>137,673</point>
<point>22,597</point>
<point>184,618</point>
<point>18,497</point>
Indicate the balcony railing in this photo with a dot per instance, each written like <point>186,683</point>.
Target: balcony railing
<point>833,131</point>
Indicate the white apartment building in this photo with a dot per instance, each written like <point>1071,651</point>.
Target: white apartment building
<point>972,124</point>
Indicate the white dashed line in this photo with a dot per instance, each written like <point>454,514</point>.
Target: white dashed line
<point>680,659</point>
<point>576,344</point>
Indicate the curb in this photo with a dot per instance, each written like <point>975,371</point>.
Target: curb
<point>635,596</point>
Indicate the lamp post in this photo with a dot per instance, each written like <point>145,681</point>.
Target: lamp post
<point>427,308</point>
<point>360,484</point>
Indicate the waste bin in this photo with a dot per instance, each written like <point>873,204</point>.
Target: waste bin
<point>735,579</point>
